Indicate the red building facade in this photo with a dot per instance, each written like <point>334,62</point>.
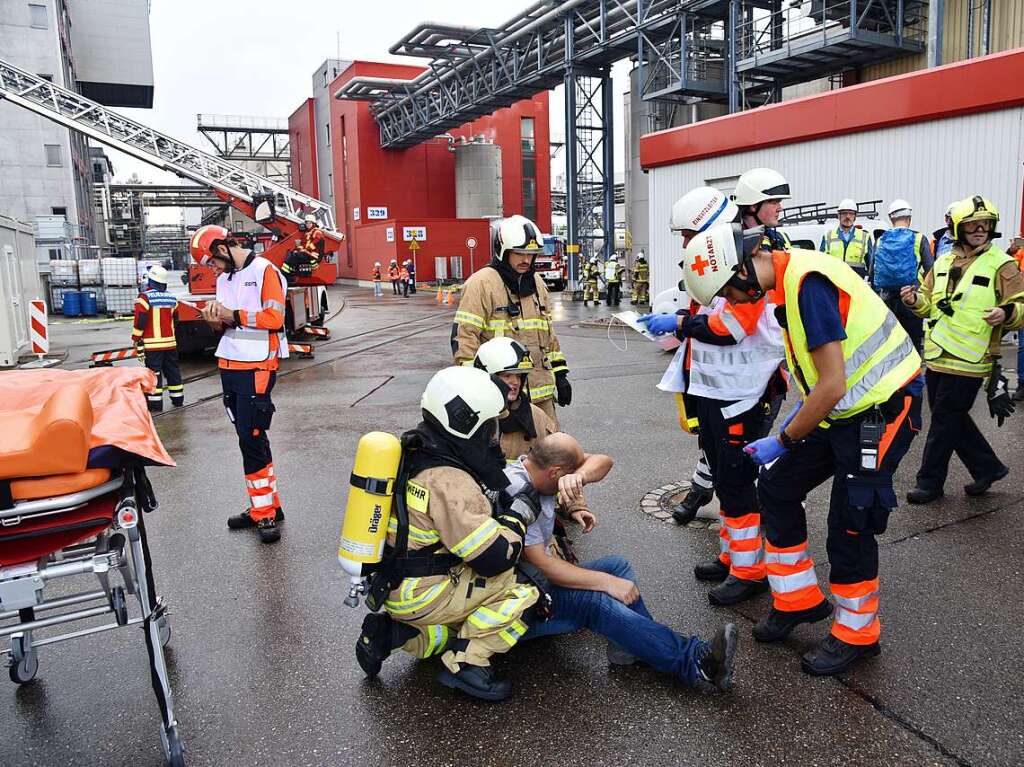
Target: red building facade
<point>382,196</point>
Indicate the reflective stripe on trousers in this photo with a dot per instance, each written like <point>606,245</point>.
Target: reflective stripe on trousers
<point>745,546</point>
<point>794,585</point>
<point>856,618</point>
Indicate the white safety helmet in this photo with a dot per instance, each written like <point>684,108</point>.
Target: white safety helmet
<point>760,184</point>
<point>846,204</point>
<point>519,234</point>
<point>462,400</point>
<point>670,301</point>
<point>503,355</point>
<point>900,209</point>
<point>640,256</point>
<point>713,257</point>
<point>593,259</point>
<point>310,219</point>
<point>157,273</point>
<point>376,263</point>
<point>701,208</point>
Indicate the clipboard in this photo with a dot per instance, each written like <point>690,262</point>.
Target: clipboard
<point>668,341</point>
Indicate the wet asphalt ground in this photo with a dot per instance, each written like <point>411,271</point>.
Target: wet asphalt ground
<point>261,652</point>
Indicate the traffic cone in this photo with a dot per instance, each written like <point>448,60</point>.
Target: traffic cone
<point>451,297</point>
<point>438,299</point>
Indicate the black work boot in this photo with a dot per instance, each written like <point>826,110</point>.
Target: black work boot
<point>981,486</point>
<point>380,636</point>
<point>711,570</point>
<point>834,655</point>
<point>777,624</point>
<point>734,590</point>
<point>691,504</point>
<point>269,533</point>
<point>244,520</point>
<point>919,495</point>
<point>478,681</point>
<point>715,664</point>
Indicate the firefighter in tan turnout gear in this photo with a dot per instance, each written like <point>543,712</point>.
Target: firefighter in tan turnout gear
<point>508,298</point>
<point>455,592</point>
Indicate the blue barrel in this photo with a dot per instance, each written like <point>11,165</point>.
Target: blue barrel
<point>89,303</point>
<point>72,304</point>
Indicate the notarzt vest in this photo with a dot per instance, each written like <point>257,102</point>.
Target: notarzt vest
<point>878,355</point>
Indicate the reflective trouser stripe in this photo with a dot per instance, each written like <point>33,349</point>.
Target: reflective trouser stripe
<point>745,546</point>
<point>407,603</point>
<point>261,487</point>
<point>437,638</point>
<point>702,473</point>
<point>794,586</point>
<point>513,632</point>
<point>856,619</point>
<point>724,555</point>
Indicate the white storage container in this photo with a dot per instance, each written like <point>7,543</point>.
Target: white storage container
<point>57,298</point>
<point>120,300</point>
<point>118,271</point>
<point>19,284</point>
<point>89,272</point>
<point>64,273</point>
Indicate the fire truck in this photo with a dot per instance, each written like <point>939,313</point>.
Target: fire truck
<point>279,209</point>
<point>552,264</point>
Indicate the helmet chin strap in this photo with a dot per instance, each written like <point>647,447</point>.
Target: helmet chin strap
<point>748,285</point>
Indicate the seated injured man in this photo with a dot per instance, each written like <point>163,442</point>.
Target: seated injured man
<point>602,594</point>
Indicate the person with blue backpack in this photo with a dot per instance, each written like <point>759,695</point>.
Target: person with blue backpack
<point>902,256</point>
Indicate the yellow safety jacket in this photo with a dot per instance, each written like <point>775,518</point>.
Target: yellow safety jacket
<point>962,337</point>
<point>854,253</point>
<point>878,355</point>
<point>489,310</point>
<point>641,273</point>
<point>591,273</point>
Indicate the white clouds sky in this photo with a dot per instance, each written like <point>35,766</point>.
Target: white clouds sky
<point>257,58</point>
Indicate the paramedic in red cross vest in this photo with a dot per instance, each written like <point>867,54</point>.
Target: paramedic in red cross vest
<point>250,309</point>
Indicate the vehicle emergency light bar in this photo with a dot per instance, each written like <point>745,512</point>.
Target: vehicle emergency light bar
<point>74,111</point>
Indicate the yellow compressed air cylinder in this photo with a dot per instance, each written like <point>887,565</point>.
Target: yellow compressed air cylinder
<point>370,497</point>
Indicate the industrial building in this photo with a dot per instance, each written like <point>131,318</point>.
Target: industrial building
<point>429,201</point>
<point>946,133</point>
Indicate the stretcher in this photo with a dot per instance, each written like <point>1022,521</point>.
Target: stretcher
<point>73,500</point>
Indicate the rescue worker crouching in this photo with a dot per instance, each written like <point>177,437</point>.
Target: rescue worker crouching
<point>859,375</point>
<point>249,308</point>
<point>508,298</point>
<point>971,297</point>
<point>847,242</point>
<point>455,594</point>
<point>153,335</point>
<point>641,280</point>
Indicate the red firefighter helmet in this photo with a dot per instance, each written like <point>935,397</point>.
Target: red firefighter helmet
<point>203,240</point>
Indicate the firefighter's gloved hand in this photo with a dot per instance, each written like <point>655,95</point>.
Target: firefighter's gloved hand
<point>659,324</point>
<point>765,450</point>
<point>563,388</point>
<point>1000,405</point>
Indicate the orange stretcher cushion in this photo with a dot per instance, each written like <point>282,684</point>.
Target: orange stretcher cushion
<point>58,484</point>
<point>54,441</point>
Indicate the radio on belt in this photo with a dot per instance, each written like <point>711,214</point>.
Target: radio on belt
<point>871,430</point>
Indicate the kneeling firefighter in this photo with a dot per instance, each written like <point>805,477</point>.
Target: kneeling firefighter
<point>523,424</point>
<point>447,579</point>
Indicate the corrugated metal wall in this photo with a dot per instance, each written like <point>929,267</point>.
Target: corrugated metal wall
<point>929,164</point>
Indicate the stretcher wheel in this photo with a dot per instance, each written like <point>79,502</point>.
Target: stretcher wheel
<point>164,630</point>
<point>119,606</point>
<point>24,662</point>
<point>174,749</point>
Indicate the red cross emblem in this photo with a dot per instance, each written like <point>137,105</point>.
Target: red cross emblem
<point>699,265</point>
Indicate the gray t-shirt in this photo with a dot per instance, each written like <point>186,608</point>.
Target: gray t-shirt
<point>543,529</point>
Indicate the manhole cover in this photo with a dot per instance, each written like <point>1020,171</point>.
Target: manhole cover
<point>658,503</point>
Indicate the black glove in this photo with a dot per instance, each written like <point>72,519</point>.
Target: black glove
<point>563,388</point>
<point>1000,406</point>
<point>518,512</point>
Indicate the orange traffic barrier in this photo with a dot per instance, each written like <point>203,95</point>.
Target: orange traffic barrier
<point>438,299</point>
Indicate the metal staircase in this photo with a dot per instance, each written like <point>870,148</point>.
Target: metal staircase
<point>72,110</point>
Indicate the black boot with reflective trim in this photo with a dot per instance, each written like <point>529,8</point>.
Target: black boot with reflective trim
<point>834,655</point>
<point>687,510</point>
<point>715,664</point>
<point>778,625</point>
<point>711,570</point>
<point>380,636</point>
<point>478,681</point>
<point>243,521</point>
<point>734,590</point>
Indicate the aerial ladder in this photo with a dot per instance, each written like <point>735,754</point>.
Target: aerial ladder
<point>280,209</point>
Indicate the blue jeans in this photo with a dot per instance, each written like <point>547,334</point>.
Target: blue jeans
<point>631,627</point>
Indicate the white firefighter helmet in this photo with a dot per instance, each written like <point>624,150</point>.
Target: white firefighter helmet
<point>670,301</point>
<point>310,219</point>
<point>503,355</point>
<point>700,209</point>
<point>900,208</point>
<point>713,257</point>
<point>462,400</point>
<point>376,263</point>
<point>158,274</point>
<point>517,233</point>
<point>846,204</point>
<point>760,184</point>
<point>593,259</point>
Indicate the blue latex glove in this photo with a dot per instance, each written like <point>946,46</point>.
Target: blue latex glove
<point>659,324</point>
<point>765,450</point>
<point>792,415</point>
